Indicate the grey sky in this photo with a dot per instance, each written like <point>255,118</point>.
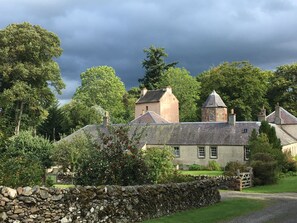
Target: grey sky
<point>196,33</point>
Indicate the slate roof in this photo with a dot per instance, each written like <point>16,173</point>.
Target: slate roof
<point>191,133</point>
<point>149,117</point>
<point>213,101</point>
<point>286,116</point>
<point>151,96</point>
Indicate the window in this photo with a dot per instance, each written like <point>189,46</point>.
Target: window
<point>201,152</point>
<point>146,108</point>
<point>213,152</point>
<point>247,152</point>
<point>176,151</point>
<point>244,130</point>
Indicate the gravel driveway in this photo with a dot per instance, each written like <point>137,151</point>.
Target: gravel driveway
<point>283,207</point>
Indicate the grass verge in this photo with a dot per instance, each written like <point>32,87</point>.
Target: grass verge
<point>222,211</point>
<point>286,184</point>
<point>202,172</point>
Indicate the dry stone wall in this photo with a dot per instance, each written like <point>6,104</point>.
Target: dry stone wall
<point>104,203</point>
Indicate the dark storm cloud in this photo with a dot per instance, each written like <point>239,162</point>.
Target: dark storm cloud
<point>198,34</point>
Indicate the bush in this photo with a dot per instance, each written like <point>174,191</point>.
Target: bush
<point>117,161</point>
<point>196,167</point>
<point>24,160</point>
<point>290,164</point>
<point>265,169</point>
<point>213,165</point>
<point>20,171</point>
<point>177,177</point>
<point>232,167</point>
<point>159,162</point>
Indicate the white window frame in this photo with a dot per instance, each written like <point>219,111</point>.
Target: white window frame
<point>201,149</point>
<point>211,149</point>
<point>246,153</point>
<point>176,151</point>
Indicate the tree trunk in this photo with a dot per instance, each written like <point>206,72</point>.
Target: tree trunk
<point>18,117</point>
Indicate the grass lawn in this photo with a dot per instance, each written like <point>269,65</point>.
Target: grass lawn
<point>222,211</point>
<point>202,172</point>
<point>287,184</point>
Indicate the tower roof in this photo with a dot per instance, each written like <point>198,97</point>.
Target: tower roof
<point>213,101</point>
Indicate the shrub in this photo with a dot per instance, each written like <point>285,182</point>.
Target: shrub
<point>177,177</point>
<point>232,167</point>
<point>265,169</point>
<point>196,167</point>
<point>213,165</point>
<point>25,160</point>
<point>117,161</point>
<point>159,162</point>
<point>19,171</point>
<point>290,164</point>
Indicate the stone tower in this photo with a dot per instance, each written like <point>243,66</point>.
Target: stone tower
<point>214,109</point>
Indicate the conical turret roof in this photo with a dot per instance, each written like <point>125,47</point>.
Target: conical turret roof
<point>213,101</point>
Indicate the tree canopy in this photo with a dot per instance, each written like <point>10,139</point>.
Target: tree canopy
<point>186,89</point>
<point>154,66</point>
<point>100,86</point>
<point>283,88</point>
<point>242,86</point>
<point>27,69</point>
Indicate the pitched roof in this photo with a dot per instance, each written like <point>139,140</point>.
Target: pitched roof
<point>213,101</point>
<point>149,117</point>
<point>151,96</point>
<point>191,133</point>
<point>286,117</point>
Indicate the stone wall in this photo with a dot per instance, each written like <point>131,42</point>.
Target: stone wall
<point>105,203</point>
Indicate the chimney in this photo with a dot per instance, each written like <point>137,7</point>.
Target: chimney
<point>277,115</point>
<point>143,91</point>
<point>106,119</point>
<point>232,118</point>
<point>262,115</point>
<point>169,89</point>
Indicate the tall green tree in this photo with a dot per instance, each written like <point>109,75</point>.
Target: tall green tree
<point>241,85</point>
<point>154,66</point>
<point>52,127</point>
<point>27,69</point>
<point>283,88</point>
<point>77,115</point>
<point>186,89</point>
<point>130,98</point>
<point>100,86</point>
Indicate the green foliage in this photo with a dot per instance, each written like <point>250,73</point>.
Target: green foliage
<point>129,100</point>
<point>154,66</point>
<point>27,69</point>
<point>25,159</point>
<point>213,165</point>
<point>266,156</point>
<point>67,153</point>
<point>77,115</point>
<point>185,88</point>
<point>241,85</point>
<point>34,146</point>
<point>116,161</point>
<point>100,86</point>
<point>52,127</point>
<point>265,169</point>
<point>283,88</point>
<point>196,167</point>
<point>21,170</point>
<point>232,167</point>
<point>159,162</point>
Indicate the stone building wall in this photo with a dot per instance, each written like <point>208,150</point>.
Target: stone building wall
<point>105,203</point>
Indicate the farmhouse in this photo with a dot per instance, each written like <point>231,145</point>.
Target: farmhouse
<point>218,137</point>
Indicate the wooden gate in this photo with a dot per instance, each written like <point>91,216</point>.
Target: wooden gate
<point>246,178</point>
